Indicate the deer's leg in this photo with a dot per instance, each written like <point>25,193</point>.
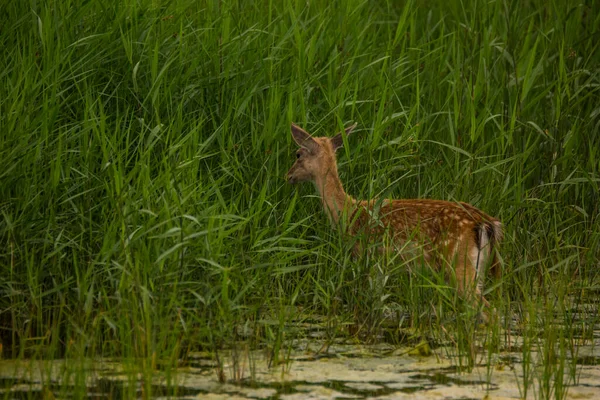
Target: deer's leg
<point>357,250</point>
<point>469,262</point>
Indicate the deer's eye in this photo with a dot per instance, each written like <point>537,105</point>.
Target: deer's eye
<point>297,155</point>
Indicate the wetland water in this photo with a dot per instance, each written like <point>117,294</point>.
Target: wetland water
<point>345,371</point>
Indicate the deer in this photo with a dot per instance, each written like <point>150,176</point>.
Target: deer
<point>449,234</point>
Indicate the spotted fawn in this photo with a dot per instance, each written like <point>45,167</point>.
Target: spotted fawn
<point>447,234</point>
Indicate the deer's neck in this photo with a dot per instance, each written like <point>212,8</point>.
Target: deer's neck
<point>335,201</point>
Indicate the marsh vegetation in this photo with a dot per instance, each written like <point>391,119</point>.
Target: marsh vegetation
<point>144,215</point>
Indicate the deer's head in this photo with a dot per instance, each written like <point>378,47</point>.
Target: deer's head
<point>316,155</point>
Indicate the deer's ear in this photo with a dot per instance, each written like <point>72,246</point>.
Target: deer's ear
<point>337,141</point>
<point>303,139</point>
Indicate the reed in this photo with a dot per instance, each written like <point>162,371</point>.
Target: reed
<point>143,210</point>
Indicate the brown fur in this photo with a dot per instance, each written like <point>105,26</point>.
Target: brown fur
<point>456,234</point>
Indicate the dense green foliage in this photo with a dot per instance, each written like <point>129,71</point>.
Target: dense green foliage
<point>144,144</point>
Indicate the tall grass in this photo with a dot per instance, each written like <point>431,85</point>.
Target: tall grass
<point>143,146</point>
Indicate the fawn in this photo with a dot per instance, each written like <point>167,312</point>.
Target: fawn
<point>456,234</point>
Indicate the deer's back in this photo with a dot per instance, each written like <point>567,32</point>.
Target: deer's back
<point>432,222</point>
